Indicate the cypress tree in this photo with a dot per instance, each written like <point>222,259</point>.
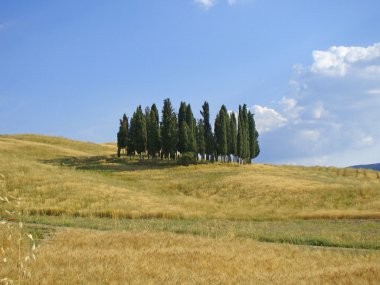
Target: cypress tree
<point>224,129</point>
<point>153,132</point>
<point>140,134</point>
<point>201,138</point>
<point>130,137</point>
<point>122,135</point>
<point>240,144</point>
<point>232,136</point>
<point>191,123</point>
<point>209,139</point>
<point>221,129</point>
<point>168,129</point>
<point>183,132</point>
<point>257,146</point>
<point>254,148</point>
<point>217,133</point>
<point>245,133</point>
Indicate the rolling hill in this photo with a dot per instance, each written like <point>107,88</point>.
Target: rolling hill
<point>210,223</point>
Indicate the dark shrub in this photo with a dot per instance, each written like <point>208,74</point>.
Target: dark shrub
<point>187,158</point>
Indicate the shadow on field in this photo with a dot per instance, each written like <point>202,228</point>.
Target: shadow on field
<point>111,163</point>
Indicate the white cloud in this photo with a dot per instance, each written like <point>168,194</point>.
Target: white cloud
<point>290,108</point>
<point>336,61</point>
<point>309,135</point>
<point>330,111</point>
<point>318,110</point>
<point>268,119</point>
<point>206,3</point>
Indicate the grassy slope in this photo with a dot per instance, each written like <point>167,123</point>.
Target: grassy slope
<point>67,183</point>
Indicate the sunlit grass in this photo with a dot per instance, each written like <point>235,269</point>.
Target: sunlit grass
<point>199,224</point>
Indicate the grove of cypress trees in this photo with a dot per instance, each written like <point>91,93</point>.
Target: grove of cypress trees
<point>168,129</point>
<point>146,133</point>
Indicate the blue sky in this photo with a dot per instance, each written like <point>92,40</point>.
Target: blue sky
<point>310,70</point>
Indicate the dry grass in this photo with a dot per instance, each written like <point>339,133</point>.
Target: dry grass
<point>92,257</point>
<point>64,182</point>
<point>111,187</point>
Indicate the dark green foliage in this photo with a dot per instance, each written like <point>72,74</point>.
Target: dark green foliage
<point>221,130</point>
<point>243,134</point>
<point>254,148</point>
<point>146,133</point>
<point>240,144</point>
<point>153,132</point>
<point>191,123</point>
<point>246,133</point>
<point>122,135</point>
<point>130,140</point>
<point>183,130</point>
<point>168,129</point>
<point>139,134</point>
<point>201,138</point>
<point>209,138</point>
<point>187,158</point>
<point>232,136</point>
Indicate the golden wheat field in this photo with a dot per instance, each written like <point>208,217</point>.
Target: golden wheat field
<point>73,213</point>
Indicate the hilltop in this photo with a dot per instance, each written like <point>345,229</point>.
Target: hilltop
<point>374,166</point>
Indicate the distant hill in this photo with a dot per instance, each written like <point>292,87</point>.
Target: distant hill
<point>375,166</point>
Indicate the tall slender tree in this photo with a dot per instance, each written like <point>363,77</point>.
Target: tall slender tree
<point>209,138</point>
<point>131,149</point>
<point>243,134</point>
<point>139,135</point>
<point>232,136</point>
<point>221,130</point>
<point>183,130</point>
<point>191,123</point>
<point>168,129</point>
<point>240,144</point>
<point>201,139</point>
<point>254,148</point>
<point>153,132</point>
<point>246,134</point>
<point>122,135</point>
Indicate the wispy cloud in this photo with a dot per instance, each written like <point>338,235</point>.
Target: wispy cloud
<point>206,3</point>
<point>3,26</point>
<point>210,3</point>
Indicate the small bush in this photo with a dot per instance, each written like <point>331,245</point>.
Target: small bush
<point>187,158</point>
